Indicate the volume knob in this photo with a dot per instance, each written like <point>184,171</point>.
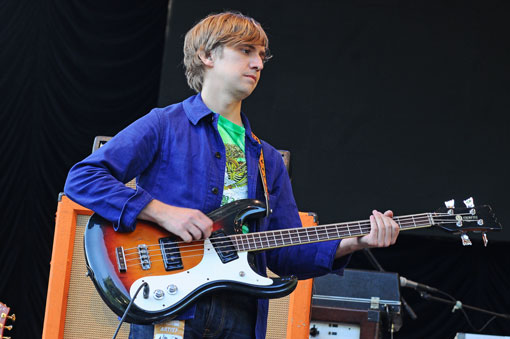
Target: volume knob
<point>159,294</point>
<point>172,289</point>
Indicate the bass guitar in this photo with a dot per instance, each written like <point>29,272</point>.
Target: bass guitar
<point>175,273</point>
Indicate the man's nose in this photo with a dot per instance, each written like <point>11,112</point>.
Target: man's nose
<point>257,62</point>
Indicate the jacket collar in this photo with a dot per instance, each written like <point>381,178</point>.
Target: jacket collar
<point>196,110</point>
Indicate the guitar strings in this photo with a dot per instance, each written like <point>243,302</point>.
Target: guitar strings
<point>322,233</point>
<point>321,230</point>
<point>190,253</point>
<point>355,224</point>
<point>404,224</point>
<point>186,254</point>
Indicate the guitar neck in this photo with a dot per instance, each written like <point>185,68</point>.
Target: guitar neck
<point>304,235</point>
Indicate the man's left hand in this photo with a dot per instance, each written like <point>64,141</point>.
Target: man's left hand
<point>383,233</point>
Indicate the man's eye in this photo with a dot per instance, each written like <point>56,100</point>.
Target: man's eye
<point>245,50</point>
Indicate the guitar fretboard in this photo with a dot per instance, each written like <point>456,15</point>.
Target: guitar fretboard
<point>305,235</point>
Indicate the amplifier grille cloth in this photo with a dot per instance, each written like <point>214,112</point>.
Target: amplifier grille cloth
<point>277,316</point>
<point>87,316</point>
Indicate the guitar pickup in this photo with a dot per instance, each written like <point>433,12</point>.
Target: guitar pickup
<point>145,259</point>
<point>121,259</point>
<point>223,246</point>
<point>171,254</point>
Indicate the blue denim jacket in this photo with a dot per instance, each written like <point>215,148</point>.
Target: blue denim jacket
<point>173,153</point>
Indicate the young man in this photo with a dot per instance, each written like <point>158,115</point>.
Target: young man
<point>192,157</point>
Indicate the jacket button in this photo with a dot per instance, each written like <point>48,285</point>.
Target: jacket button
<point>217,155</point>
<point>215,190</point>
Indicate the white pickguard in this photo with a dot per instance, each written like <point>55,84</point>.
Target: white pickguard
<point>210,269</point>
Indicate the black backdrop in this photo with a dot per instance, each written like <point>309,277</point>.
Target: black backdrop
<point>383,104</point>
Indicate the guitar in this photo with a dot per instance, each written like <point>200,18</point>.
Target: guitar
<point>177,273</point>
<point>4,315</point>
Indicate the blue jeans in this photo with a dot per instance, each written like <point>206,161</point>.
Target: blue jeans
<point>224,315</point>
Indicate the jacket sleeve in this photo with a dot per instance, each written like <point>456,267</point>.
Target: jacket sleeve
<point>304,261</point>
<point>98,181</point>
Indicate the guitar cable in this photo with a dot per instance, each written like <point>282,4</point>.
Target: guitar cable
<point>144,285</point>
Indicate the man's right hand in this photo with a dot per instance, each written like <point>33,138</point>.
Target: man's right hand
<point>188,224</point>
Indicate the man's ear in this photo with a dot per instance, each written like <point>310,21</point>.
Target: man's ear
<point>206,58</point>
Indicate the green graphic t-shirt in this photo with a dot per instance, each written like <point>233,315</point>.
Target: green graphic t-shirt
<point>236,175</point>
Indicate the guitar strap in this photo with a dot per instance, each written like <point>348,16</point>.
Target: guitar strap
<point>262,172</point>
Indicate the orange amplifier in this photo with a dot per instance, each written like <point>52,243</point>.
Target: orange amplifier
<point>75,310</point>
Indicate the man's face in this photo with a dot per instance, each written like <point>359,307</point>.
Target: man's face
<point>236,69</point>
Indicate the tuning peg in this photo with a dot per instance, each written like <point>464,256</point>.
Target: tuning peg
<point>470,203</point>
<point>465,240</point>
<point>485,239</point>
<point>12,317</point>
<point>8,327</point>
<point>450,203</point>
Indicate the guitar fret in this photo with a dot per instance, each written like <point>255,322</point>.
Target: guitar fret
<point>267,241</point>
<point>322,234</point>
<point>291,237</point>
<point>403,223</point>
<point>298,232</point>
<point>236,239</point>
<point>274,240</point>
<point>270,241</point>
<point>431,218</point>
<point>253,241</point>
<point>348,230</point>
<point>239,242</point>
<point>414,221</point>
<point>260,241</point>
<point>246,241</point>
<point>294,233</point>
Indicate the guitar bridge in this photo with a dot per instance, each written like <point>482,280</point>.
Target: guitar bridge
<point>145,259</point>
<point>121,259</point>
<point>171,254</point>
<point>223,246</point>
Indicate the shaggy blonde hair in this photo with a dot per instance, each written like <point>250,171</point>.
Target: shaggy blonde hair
<point>214,32</point>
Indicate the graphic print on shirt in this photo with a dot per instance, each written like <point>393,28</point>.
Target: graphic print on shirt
<point>235,185</point>
<point>235,171</point>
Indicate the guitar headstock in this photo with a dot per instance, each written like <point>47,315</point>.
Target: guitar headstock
<point>4,315</point>
<point>471,218</point>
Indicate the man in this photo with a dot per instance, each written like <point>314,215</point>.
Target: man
<point>194,156</point>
